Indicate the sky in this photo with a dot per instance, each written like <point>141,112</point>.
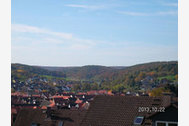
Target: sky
<point>93,32</point>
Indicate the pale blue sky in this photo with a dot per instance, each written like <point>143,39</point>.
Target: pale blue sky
<point>94,32</point>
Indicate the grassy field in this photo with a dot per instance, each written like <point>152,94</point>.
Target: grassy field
<point>52,77</point>
<point>170,77</point>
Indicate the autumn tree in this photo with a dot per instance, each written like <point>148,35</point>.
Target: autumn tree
<point>76,87</point>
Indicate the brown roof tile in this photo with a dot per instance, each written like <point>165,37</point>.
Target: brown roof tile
<point>119,110</point>
<point>28,116</point>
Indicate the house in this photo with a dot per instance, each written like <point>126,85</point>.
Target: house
<point>85,98</point>
<point>49,117</point>
<point>92,92</point>
<point>101,92</point>
<point>122,110</point>
<point>44,104</point>
<point>110,93</point>
<point>81,93</point>
<point>167,118</point>
<point>78,101</point>
<point>13,115</point>
<point>106,110</point>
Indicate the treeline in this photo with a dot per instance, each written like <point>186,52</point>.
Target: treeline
<point>118,79</point>
<point>130,78</point>
<point>90,72</point>
<point>99,73</point>
<point>23,72</point>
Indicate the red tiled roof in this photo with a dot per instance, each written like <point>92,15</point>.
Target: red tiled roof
<point>102,92</point>
<point>63,97</point>
<point>35,95</point>
<point>19,94</point>
<point>52,104</point>
<point>25,95</point>
<point>81,93</point>
<point>122,94</point>
<point>78,101</point>
<point>110,93</point>
<point>16,94</point>
<point>66,97</point>
<point>13,111</point>
<point>94,92</point>
<point>35,107</point>
<point>43,107</point>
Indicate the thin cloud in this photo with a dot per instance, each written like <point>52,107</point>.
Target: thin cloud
<point>50,37</point>
<point>91,7</point>
<point>133,13</point>
<point>161,13</point>
<point>33,29</point>
<point>173,13</point>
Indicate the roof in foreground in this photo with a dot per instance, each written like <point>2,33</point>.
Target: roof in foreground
<point>38,116</point>
<point>103,111</point>
<point>120,110</point>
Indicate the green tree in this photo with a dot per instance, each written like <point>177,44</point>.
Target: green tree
<point>86,87</point>
<point>76,87</point>
<point>158,91</point>
<point>118,88</point>
<point>94,86</point>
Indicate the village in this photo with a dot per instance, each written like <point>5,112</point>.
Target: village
<point>59,106</point>
<point>92,108</point>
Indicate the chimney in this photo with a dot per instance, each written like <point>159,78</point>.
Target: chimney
<point>48,112</point>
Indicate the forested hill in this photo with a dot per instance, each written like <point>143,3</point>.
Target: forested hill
<point>84,73</point>
<point>109,73</point>
<point>23,72</point>
<point>114,75</point>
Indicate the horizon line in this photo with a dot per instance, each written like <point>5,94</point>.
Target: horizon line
<point>97,64</point>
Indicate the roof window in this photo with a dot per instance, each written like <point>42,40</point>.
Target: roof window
<point>138,120</point>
